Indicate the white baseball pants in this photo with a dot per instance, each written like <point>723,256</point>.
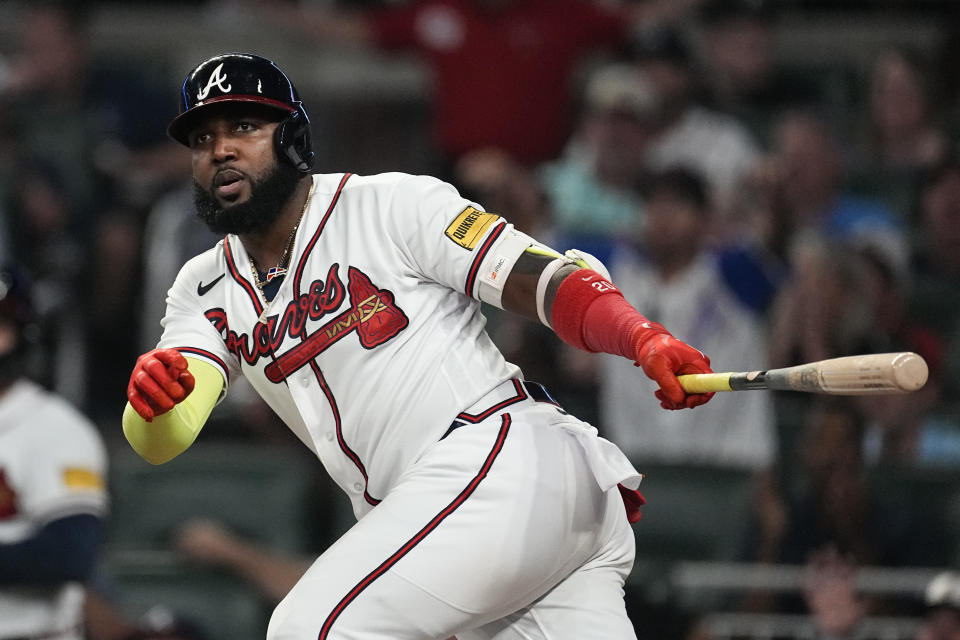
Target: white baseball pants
<point>500,530</point>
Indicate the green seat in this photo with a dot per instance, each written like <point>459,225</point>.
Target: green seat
<point>262,492</point>
<point>928,502</point>
<point>692,513</point>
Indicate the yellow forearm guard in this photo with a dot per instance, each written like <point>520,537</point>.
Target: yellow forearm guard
<point>170,433</point>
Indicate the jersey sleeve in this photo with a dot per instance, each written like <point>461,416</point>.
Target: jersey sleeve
<point>187,327</point>
<point>447,238</point>
<point>69,470</point>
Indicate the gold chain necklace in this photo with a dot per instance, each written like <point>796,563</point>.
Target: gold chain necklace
<point>281,268</point>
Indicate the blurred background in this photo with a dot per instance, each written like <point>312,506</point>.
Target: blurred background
<point>776,181</point>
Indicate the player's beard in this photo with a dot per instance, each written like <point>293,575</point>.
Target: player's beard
<point>268,196</point>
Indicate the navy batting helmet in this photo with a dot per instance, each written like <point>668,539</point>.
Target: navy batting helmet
<point>244,77</point>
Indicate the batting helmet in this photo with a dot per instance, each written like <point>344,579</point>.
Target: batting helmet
<point>244,77</point>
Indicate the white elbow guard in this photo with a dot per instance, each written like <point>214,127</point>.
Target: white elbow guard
<point>582,259</point>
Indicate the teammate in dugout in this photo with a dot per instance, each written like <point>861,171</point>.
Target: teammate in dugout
<point>53,498</point>
<point>352,305</point>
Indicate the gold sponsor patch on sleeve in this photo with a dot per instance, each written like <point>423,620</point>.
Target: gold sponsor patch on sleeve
<point>468,227</point>
<point>78,478</point>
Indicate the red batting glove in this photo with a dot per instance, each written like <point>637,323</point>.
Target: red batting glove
<point>159,381</point>
<point>662,357</point>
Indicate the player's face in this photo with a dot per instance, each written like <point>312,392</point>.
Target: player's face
<point>230,150</point>
<point>239,184</point>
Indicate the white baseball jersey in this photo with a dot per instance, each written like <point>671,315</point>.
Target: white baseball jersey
<point>373,351</point>
<point>375,340</point>
<point>52,465</point>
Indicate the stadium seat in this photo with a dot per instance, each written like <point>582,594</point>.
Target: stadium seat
<point>929,500</point>
<point>692,513</point>
<point>213,605</point>
<point>260,491</point>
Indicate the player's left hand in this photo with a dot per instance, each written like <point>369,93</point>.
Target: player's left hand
<point>662,357</point>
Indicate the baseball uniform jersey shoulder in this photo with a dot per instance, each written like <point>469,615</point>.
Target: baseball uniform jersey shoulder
<point>52,465</point>
<point>374,341</point>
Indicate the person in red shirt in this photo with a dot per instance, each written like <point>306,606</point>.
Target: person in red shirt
<point>502,71</point>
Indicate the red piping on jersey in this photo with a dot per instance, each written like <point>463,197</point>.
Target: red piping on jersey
<point>243,282</point>
<point>481,254</point>
<point>420,535</point>
<point>316,236</point>
<point>301,265</point>
<point>343,443</point>
<point>206,354</point>
<point>521,395</point>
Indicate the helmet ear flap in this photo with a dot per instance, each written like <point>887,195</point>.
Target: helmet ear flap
<point>292,141</point>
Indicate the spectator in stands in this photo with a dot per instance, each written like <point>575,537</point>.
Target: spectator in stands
<point>46,240</point>
<point>935,299</point>
<point>904,130</point>
<point>826,500</point>
<point>839,610</point>
<point>942,601</point>
<point>92,131</point>
<point>671,270</point>
<point>590,190</point>
<point>741,73</point>
<point>91,118</point>
<point>829,590</point>
<point>717,145</point>
<point>803,185</point>
<point>796,210</point>
<point>588,194</point>
<point>902,133</point>
<point>901,429</point>
<point>503,71</point>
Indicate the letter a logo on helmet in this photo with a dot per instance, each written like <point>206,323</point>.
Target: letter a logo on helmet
<point>216,80</point>
<point>246,78</point>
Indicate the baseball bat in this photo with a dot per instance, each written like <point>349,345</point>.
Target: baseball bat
<point>871,374</point>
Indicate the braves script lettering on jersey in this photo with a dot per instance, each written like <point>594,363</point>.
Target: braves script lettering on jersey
<point>373,352</point>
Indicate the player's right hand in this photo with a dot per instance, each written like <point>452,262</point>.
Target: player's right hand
<point>159,381</point>
<point>662,357</point>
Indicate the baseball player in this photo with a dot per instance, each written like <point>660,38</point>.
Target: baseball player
<point>52,494</point>
<point>352,305</point>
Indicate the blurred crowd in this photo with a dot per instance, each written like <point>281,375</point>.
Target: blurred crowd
<point>767,211</point>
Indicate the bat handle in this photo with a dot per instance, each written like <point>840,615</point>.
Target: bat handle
<point>705,382</point>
